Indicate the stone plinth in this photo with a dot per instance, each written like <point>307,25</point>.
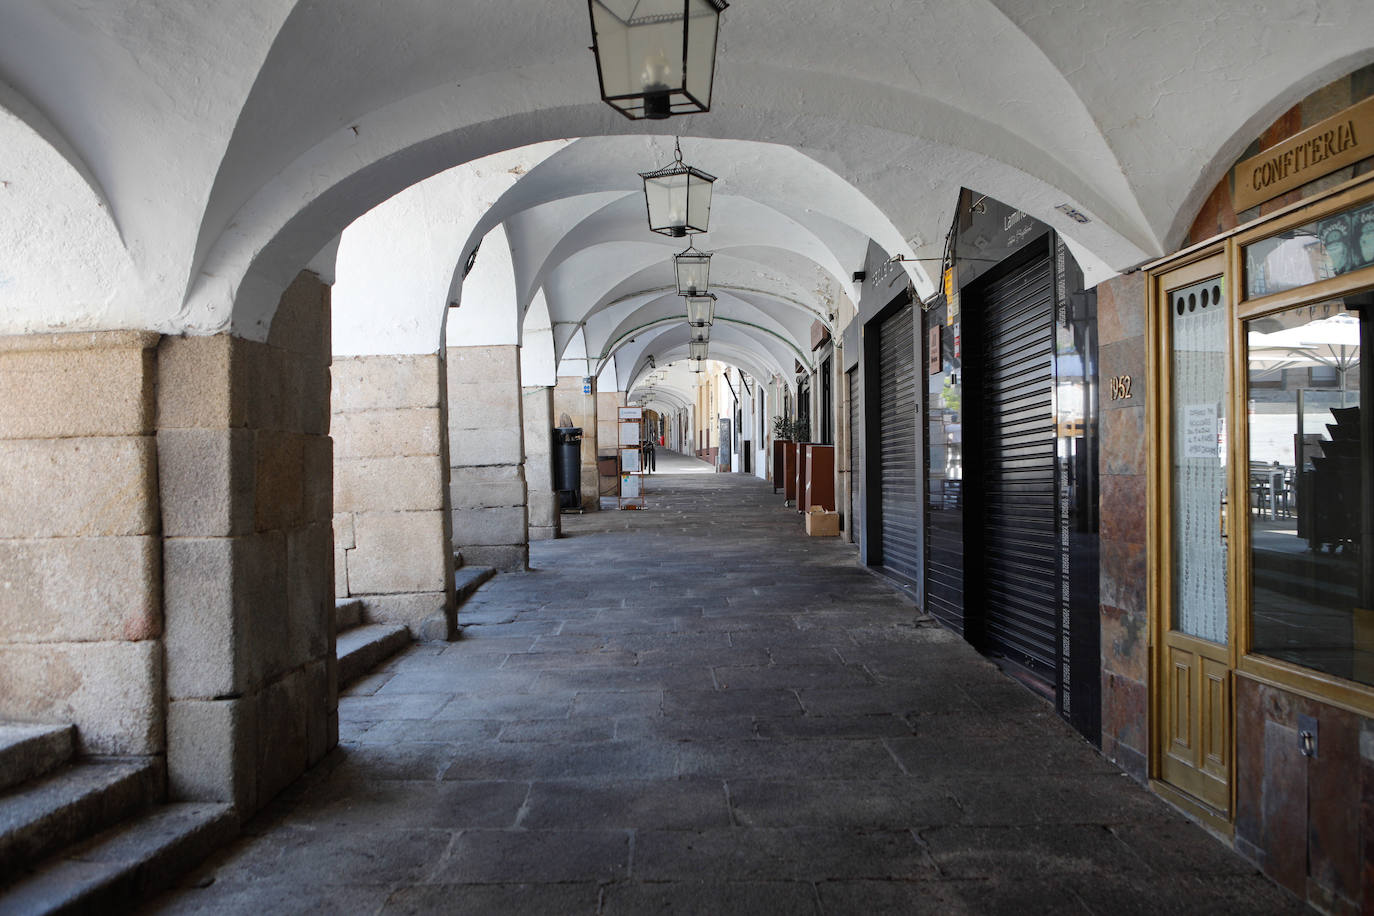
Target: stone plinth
<point>545,522</point>
<point>245,479</point>
<point>391,538</point>
<point>487,454</point>
<point>81,619</point>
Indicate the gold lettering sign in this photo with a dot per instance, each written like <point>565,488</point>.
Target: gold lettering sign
<point>1323,148</point>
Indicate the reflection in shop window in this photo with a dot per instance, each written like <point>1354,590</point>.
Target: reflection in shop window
<point>1311,509</point>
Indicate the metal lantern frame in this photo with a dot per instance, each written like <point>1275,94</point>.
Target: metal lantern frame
<point>693,270</point>
<point>701,333</point>
<point>667,84</point>
<point>686,186</point>
<point>696,349</point>
<point>701,310</point>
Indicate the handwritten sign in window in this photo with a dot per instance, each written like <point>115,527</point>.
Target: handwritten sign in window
<point>1199,433</point>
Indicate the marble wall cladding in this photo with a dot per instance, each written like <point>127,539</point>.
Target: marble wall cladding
<point>1217,213</point>
<point>1122,465</point>
<point>1305,820</point>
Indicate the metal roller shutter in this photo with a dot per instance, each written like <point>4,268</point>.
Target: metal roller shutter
<point>856,442</point>
<point>1020,554</point>
<point>901,506</point>
<point>944,527</point>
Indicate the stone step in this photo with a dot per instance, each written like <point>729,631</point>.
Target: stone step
<point>78,801</point>
<point>30,751</point>
<point>470,578</point>
<point>126,864</point>
<point>363,648</point>
<point>348,613</point>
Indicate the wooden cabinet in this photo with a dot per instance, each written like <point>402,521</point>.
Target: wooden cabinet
<point>820,478</point>
<point>789,471</point>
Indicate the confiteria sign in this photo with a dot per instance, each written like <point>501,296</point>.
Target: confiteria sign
<point>1323,148</point>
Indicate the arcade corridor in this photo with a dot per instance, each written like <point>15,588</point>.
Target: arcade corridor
<point>696,708</point>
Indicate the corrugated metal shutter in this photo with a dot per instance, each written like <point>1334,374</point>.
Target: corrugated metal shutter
<point>1020,556</point>
<point>856,441</point>
<point>944,526</point>
<point>901,506</point>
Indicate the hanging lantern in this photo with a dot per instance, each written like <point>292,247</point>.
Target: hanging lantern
<point>678,197</point>
<point>693,268</point>
<point>701,310</point>
<point>655,58</point>
<point>701,334</point>
<point>696,349</point>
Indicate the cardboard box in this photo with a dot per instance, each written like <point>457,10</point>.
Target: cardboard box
<point>820,523</point>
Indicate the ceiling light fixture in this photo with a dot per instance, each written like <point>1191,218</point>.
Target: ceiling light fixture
<point>701,310</point>
<point>655,58</point>
<point>678,198</point>
<point>693,269</point>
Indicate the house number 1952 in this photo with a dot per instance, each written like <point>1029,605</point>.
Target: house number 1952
<point>1121,387</point>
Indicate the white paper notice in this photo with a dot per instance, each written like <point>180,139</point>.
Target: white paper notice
<point>1200,431</point>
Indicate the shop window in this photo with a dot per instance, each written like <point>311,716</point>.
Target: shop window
<point>1310,505</point>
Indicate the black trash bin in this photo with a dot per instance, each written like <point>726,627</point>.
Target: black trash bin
<point>567,468</point>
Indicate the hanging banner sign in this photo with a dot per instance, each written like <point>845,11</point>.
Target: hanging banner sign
<point>933,351</point>
<point>1340,140</point>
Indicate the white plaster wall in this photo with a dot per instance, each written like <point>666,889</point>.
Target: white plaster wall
<point>538,366</point>
<point>487,312</point>
<point>396,264</point>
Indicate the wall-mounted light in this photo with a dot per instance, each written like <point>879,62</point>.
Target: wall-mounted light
<point>701,310</point>
<point>693,269</point>
<point>678,198</point>
<point>655,58</point>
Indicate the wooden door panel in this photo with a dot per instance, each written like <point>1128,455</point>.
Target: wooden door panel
<point>1215,717</point>
<point>1198,699</point>
<point>1180,693</point>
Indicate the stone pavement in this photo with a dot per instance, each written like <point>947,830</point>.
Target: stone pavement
<point>696,709</point>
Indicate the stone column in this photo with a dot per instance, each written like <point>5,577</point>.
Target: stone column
<point>486,453</point>
<point>545,521</point>
<point>569,399</point>
<point>245,483</point>
<point>608,404</point>
<point>391,525</point>
<point>80,556</point>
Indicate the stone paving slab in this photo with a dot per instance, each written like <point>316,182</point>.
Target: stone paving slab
<point>697,709</point>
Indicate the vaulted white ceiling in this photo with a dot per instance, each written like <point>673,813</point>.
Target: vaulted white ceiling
<point>197,154</point>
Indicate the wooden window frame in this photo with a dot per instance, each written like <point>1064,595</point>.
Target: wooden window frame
<point>1178,270</point>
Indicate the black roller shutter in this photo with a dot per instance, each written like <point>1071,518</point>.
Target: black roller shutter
<point>856,446</point>
<point>944,516</point>
<point>901,506</point>
<point>1020,558</point>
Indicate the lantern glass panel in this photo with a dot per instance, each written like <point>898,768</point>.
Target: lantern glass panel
<point>696,349</point>
<point>701,334</point>
<point>693,272</point>
<point>701,310</point>
<point>702,26</point>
